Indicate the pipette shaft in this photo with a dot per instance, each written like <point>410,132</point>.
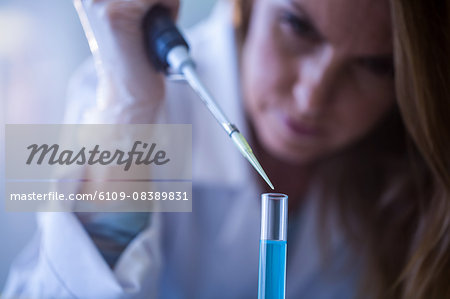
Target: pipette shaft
<point>168,49</point>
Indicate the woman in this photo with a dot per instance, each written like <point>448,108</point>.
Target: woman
<point>347,113</point>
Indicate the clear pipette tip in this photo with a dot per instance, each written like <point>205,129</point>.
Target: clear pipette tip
<point>247,152</point>
<point>251,157</point>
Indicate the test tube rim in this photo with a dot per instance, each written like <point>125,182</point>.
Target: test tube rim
<point>275,196</point>
<point>267,232</point>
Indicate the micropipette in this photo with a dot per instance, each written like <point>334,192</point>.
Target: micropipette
<point>168,49</point>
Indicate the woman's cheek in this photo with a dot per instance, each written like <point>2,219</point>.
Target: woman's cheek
<point>277,74</point>
<point>356,116</point>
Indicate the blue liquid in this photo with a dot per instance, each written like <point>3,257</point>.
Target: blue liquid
<point>272,269</point>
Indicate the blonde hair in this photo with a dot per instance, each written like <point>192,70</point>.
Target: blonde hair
<point>395,206</point>
<point>422,48</point>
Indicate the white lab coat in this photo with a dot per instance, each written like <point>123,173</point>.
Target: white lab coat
<point>209,253</point>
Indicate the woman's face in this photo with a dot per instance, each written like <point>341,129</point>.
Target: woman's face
<point>317,74</point>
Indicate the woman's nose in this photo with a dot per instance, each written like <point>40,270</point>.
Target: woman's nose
<point>313,85</point>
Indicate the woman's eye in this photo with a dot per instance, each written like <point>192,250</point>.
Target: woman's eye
<point>378,66</point>
<point>299,26</point>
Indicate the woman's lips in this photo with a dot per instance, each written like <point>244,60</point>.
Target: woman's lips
<point>299,128</point>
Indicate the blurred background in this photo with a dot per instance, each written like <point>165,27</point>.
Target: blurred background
<point>41,45</point>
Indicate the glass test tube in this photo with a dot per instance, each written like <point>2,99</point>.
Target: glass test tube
<point>272,246</point>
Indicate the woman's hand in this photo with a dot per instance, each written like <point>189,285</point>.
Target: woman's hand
<point>127,81</point>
